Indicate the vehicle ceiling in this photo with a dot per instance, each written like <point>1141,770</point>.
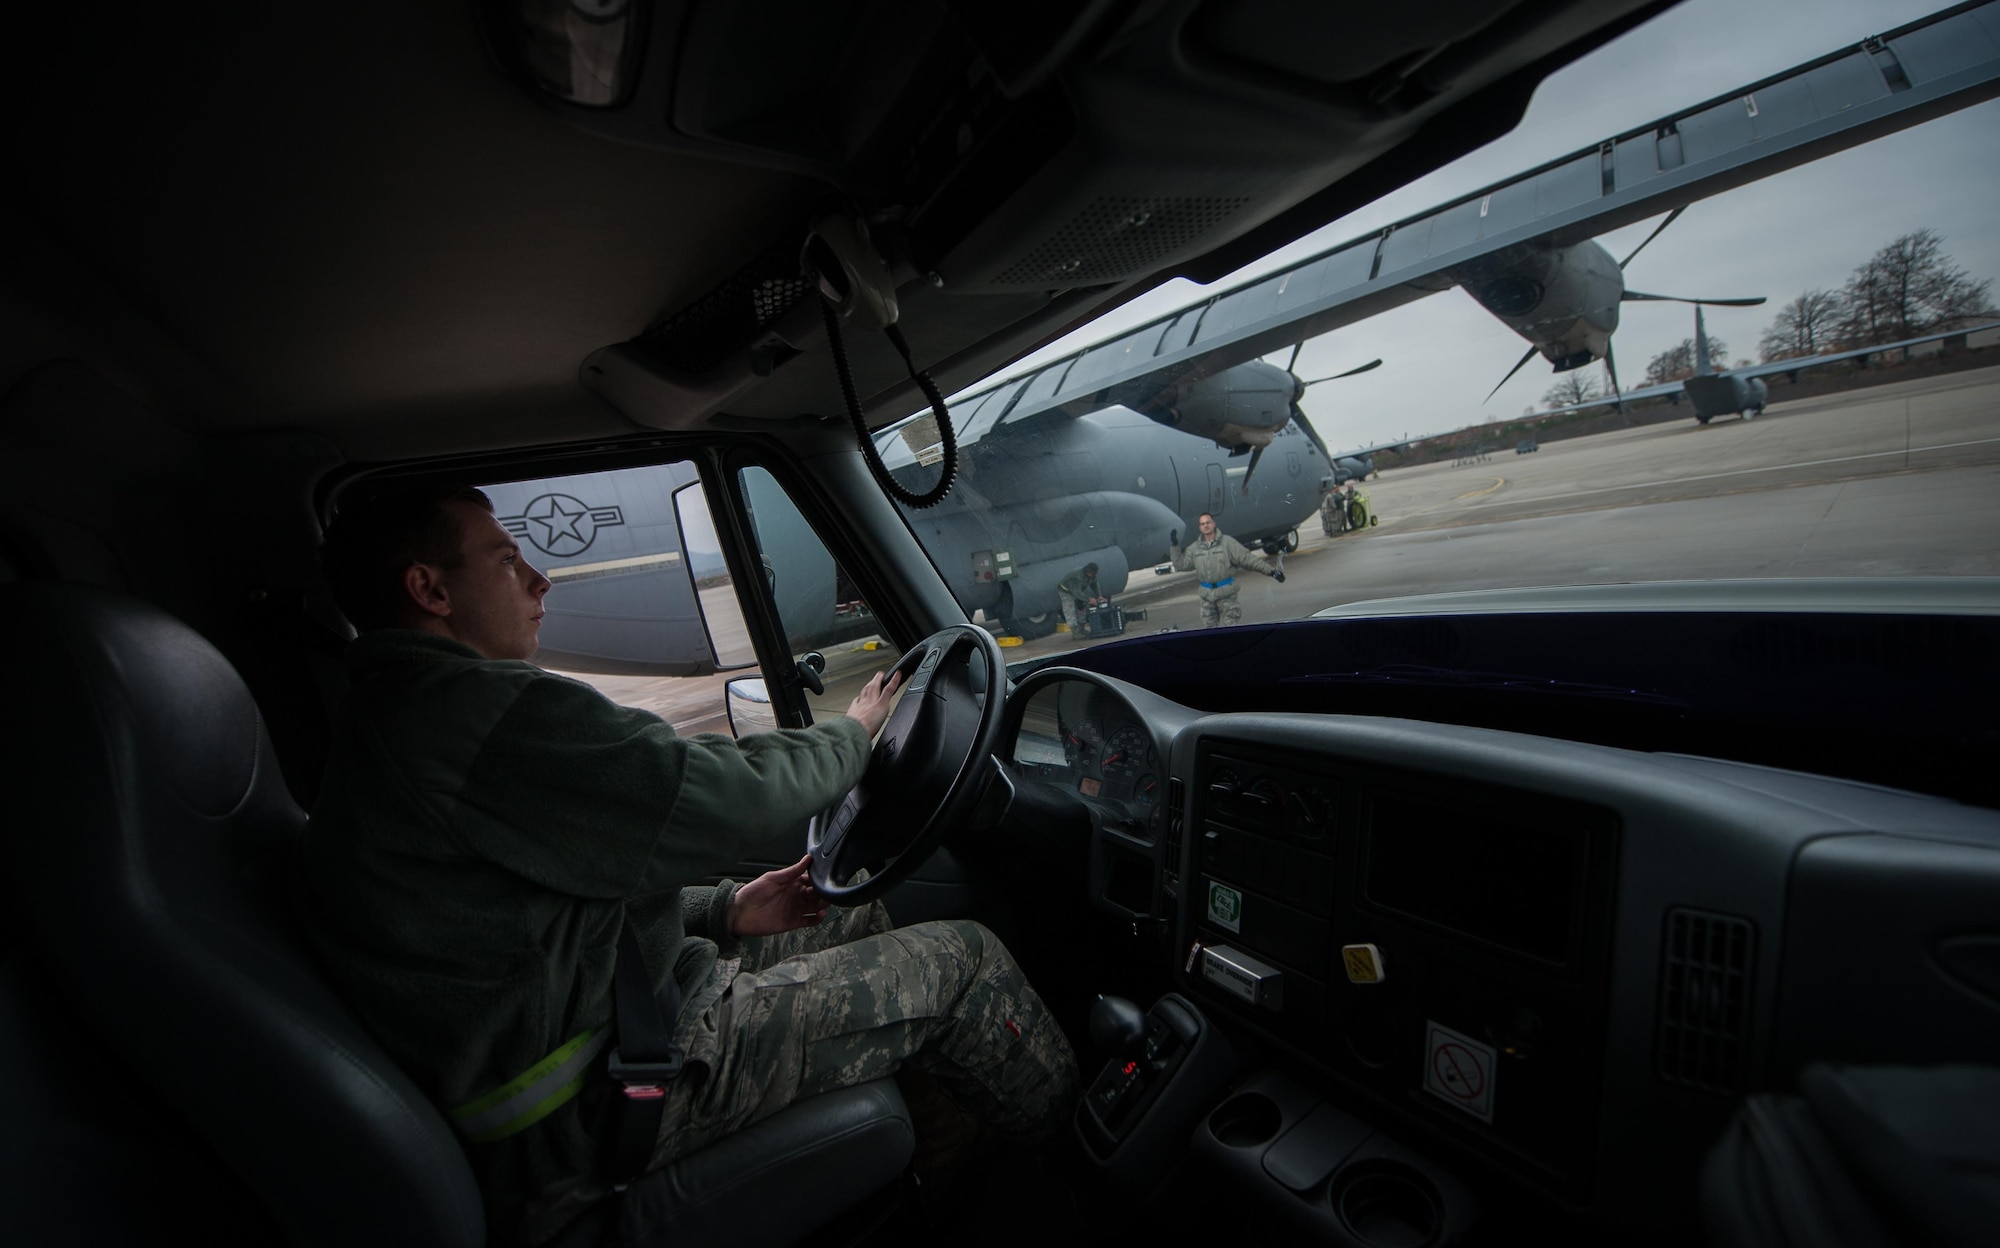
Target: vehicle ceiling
<point>351,220</point>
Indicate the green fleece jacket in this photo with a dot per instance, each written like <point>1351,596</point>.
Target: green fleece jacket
<point>483,831</point>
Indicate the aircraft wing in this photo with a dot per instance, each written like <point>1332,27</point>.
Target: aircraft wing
<point>1795,364</point>
<point>1661,391</point>
<point>1799,363</point>
<point>1366,451</point>
<point>1845,98</point>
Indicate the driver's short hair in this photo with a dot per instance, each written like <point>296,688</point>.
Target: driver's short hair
<point>1090,569</point>
<point>378,532</point>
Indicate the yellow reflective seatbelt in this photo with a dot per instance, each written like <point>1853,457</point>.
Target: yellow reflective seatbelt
<point>533,1094</point>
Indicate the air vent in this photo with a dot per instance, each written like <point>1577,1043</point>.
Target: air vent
<point>1176,793</point>
<point>1705,963</point>
<point>712,329</point>
<point>1115,237</point>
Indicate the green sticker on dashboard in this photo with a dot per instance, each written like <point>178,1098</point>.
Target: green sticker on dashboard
<point>1225,906</point>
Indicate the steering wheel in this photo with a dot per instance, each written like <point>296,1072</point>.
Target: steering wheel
<point>925,775</point>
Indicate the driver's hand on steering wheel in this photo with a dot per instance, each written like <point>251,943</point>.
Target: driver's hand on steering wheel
<point>870,707</point>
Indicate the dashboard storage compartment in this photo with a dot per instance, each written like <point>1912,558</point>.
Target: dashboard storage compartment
<point>1246,1121</point>
<point>1385,1203</point>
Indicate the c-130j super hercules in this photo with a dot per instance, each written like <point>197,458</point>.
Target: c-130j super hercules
<point>1168,420</point>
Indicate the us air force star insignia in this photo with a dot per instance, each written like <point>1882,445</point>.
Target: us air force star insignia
<point>561,526</point>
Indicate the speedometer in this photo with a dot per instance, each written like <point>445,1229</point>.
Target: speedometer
<point>1124,753</point>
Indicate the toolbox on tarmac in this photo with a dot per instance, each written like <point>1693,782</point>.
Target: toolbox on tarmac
<point>1104,620</point>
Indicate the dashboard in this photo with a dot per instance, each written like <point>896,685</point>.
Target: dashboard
<point>1507,948</point>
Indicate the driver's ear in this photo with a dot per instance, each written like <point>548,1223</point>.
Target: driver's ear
<point>423,585</point>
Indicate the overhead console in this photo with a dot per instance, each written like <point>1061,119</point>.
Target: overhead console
<point>1428,938</point>
<point>1014,153</point>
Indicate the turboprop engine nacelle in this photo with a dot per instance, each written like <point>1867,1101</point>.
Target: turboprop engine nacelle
<point>1244,405</point>
<point>1562,299</point>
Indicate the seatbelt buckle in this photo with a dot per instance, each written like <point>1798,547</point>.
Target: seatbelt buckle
<point>644,1081</point>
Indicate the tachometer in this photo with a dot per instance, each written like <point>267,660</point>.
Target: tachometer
<point>1081,741</point>
<point>1124,753</point>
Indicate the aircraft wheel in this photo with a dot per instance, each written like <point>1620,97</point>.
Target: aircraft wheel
<point>1026,627</point>
<point>1359,516</point>
<point>1700,419</point>
<point>1291,541</point>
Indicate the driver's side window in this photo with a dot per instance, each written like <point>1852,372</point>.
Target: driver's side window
<point>817,602</point>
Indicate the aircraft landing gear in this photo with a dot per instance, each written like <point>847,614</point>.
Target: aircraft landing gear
<point>1280,545</point>
<point>1026,627</point>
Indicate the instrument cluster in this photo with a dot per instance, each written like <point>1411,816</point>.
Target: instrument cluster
<point>1083,739</point>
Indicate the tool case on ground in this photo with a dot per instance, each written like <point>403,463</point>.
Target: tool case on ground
<point>1104,620</point>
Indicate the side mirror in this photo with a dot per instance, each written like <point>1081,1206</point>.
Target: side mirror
<point>747,703</point>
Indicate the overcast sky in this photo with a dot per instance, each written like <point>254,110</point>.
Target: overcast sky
<point>1806,228</point>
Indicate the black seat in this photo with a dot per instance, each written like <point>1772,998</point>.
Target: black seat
<point>151,832</point>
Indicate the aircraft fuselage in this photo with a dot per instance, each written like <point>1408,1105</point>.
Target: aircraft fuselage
<point>1723,395</point>
<point>1108,488</point>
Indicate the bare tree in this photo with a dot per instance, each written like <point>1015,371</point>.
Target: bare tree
<point>1908,288</point>
<point>1805,326</point>
<point>1678,362</point>
<point>1571,388</point>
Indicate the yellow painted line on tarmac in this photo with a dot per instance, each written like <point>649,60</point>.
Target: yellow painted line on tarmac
<point>1497,483</point>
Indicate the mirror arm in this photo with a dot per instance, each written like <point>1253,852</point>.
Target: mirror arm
<point>805,674</point>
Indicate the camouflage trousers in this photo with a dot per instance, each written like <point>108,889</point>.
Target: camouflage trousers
<point>1220,606</point>
<point>851,1000</point>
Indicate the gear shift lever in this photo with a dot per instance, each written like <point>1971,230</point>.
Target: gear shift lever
<point>1117,1027</point>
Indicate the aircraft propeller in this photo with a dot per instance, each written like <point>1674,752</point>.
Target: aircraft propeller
<point>1299,413</point>
<point>1671,218</point>
<point>1337,376</point>
<point>1518,366</point>
<point>1628,296</point>
<point>1640,296</point>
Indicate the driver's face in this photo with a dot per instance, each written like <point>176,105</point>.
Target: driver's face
<point>495,593</point>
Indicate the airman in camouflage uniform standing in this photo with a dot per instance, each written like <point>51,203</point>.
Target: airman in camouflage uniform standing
<point>1214,561</point>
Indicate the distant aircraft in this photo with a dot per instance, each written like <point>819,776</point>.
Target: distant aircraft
<point>1564,299</point>
<point>1742,391</point>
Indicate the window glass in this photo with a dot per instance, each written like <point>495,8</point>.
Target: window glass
<point>822,610</point>
<point>637,584</point>
<point>1424,396</point>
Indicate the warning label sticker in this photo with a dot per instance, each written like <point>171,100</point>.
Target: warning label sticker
<point>1225,906</point>
<point>1460,1070</point>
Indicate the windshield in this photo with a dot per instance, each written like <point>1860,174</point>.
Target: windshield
<point>1583,378</point>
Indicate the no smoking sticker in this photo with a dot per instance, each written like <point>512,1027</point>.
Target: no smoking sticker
<point>1460,1070</point>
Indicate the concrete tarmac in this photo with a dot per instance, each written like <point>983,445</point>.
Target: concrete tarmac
<point>1898,480</point>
